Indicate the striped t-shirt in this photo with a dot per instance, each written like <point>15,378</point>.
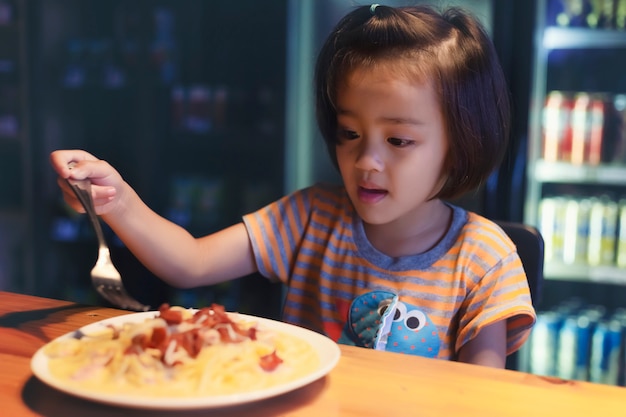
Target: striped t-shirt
<point>340,285</point>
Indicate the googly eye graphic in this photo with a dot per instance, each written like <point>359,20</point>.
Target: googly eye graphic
<point>400,312</point>
<point>383,306</point>
<point>415,320</point>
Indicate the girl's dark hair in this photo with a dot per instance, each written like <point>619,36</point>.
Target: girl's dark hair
<point>449,49</point>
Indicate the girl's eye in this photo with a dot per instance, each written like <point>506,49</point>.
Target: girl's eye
<point>399,142</point>
<point>348,135</point>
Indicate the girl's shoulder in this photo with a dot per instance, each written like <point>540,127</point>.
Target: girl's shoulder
<point>322,196</point>
<point>324,191</point>
<point>483,232</point>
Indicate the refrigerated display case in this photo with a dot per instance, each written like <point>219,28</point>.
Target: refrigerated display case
<point>16,180</point>
<point>186,100</point>
<point>577,163</point>
<point>576,188</point>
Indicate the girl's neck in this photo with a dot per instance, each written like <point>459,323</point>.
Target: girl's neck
<point>412,234</point>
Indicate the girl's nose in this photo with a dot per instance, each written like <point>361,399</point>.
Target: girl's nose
<point>369,157</point>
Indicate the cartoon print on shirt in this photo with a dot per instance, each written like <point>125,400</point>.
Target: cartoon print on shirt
<point>379,320</point>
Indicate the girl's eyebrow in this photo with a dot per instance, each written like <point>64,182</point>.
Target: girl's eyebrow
<point>390,119</point>
<point>343,111</point>
<point>402,120</point>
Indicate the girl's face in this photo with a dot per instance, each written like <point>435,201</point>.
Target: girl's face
<point>392,146</point>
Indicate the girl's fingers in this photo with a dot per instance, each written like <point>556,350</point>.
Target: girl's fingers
<point>60,160</point>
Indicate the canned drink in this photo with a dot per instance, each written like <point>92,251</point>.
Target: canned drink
<point>614,146</point>
<point>621,237</point>
<point>596,220</point>
<point>603,219</point>
<point>581,127</point>
<point>620,315</point>
<point>547,225</point>
<point>556,125</point>
<point>570,231</point>
<point>609,232</point>
<point>568,348</point>
<point>552,226</point>
<point>543,343</point>
<point>593,148</point>
<point>582,237</point>
<point>576,230</point>
<point>605,352</point>
<point>575,345</point>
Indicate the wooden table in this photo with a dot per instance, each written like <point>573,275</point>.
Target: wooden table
<point>364,383</point>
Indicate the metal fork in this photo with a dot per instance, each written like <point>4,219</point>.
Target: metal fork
<point>104,277</point>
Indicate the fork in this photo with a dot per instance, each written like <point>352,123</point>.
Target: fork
<point>104,276</point>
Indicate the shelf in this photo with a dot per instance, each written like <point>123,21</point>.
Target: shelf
<point>580,38</point>
<point>585,273</point>
<point>562,172</point>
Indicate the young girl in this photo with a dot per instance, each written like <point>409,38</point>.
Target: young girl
<point>414,110</point>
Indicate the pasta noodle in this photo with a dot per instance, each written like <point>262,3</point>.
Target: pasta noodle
<point>181,353</point>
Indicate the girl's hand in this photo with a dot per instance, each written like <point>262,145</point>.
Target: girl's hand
<point>107,184</point>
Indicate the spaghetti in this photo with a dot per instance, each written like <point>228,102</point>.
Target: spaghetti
<point>182,353</point>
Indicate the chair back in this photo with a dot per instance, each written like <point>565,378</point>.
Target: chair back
<point>530,248</point>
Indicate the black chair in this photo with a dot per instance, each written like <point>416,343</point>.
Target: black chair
<point>530,248</point>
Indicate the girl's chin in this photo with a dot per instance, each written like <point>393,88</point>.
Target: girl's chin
<point>373,217</point>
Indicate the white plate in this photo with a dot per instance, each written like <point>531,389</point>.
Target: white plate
<point>327,350</point>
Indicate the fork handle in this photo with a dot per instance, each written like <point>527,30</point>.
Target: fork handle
<point>82,189</point>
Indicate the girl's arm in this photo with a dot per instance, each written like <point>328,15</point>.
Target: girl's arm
<point>165,248</point>
<point>488,348</point>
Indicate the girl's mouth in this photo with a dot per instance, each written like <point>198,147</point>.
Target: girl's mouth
<point>371,195</point>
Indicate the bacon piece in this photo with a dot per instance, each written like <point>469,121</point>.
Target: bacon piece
<point>134,349</point>
<point>169,315</point>
<point>252,333</point>
<point>138,343</point>
<point>270,362</point>
<point>159,337</point>
<point>210,316</point>
<point>188,341</point>
<point>224,334</point>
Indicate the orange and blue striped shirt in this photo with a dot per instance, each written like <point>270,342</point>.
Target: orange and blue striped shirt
<point>313,241</point>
